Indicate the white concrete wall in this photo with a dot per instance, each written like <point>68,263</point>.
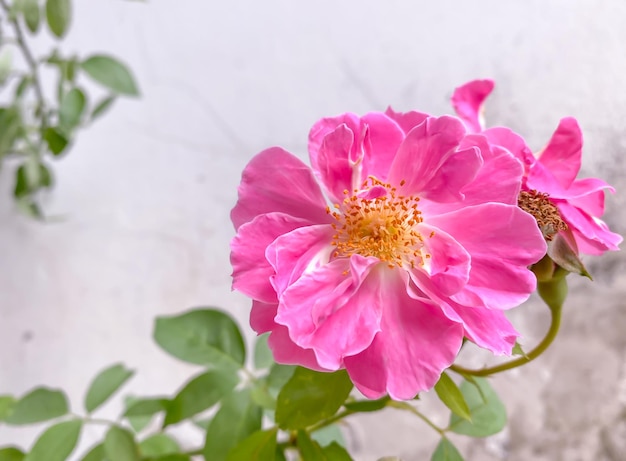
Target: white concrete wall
<point>144,195</point>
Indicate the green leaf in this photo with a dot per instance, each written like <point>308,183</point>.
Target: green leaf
<point>7,402</point>
<point>71,108</point>
<point>95,454</point>
<point>105,385</point>
<point>41,404</point>
<point>5,64</point>
<point>335,452</point>
<point>119,445</point>
<point>279,375</point>
<point>139,412</point>
<point>487,411</point>
<point>517,350</point>
<point>56,140</point>
<point>262,397</point>
<point>445,451</point>
<point>11,128</point>
<point>102,107</point>
<point>280,454</point>
<point>237,418</point>
<point>32,14</point>
<point>364,406</point>
<point>158,445</point>
<point>310,396</point>
<point>309,449</point>
<point>451,396</point>
<point>172,457</point>
<point>263,357</point>
<point>57,443</point>
<point>204,336</point>
<point>200,393</point>
<point>58,14</point>
<point>11,454</point>
<point>111,73</point>
<point>259,446</point>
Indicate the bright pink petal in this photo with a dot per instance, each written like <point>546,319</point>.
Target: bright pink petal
<point>502,241</point>
<point>275,180</point>
<point>487,328</point>
<point>346,149</point>
<point>428,164</point>
<point>496,285</point>
<point>283,349</point>
<point>563,154</point>
<point>287,352</point>
<point>448,263</point>
<point>499,179</point>
<point>262,316</point>
<point>415,344</point>
<point>327,125</point>
<point>407,120</point>
<point>592,234</point>
<point>468,100</point>
<point>383,139</point>
<point>511,141</point>
<point>312,309</point>
<point>586,194</point>
<point>333,162</point>
<point>495,230</point>
<point>251,270</point>
<point>293,253</point>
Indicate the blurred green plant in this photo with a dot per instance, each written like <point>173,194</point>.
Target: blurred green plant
<point>37,128</point>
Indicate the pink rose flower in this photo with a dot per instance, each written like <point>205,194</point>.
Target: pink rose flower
<point>550,176</point>
<point>402,238</point>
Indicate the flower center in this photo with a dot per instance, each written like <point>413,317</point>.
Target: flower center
<point>545,212</point>
<point>375,221</point>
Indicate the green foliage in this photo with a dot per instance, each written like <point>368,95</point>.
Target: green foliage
<point>237,418</point>
<point>199,394</point>
<point>310,396</point>
<point>11,454</point>
<point>34,125</point>
<point>7,402</point>
<point>56,443</point>
<point>307,406</point>
<point>120,445</point>
<point>488,415</point>
<point>95,454</point>
<point>139,412</point>
<point>445,451</point>
<point>41,404</point>
<point>111,73</point>
<point>451,396</point>
<point>58,15</point>
<point>204,337</point>
<point>258,446</point>
<point>105,385</point>
<point>158,445</point>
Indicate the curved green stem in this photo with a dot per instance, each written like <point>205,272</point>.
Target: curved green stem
<point>410,408</point>
<point>555,323</point>
<point>333,419</point>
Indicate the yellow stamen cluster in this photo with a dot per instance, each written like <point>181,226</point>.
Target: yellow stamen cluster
<point>383,226</point>
<point>545,212</point>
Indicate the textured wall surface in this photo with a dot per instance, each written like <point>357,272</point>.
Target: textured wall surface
<point>144,196</point>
